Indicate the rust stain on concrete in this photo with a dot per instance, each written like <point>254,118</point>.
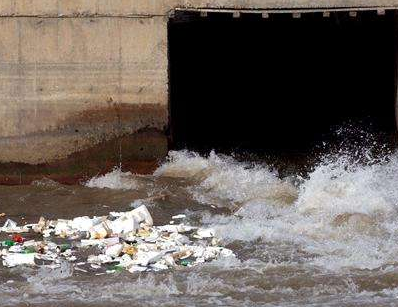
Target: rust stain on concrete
<point>83,130</point>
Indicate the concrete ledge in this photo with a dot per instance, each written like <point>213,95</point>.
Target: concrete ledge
<point>139,152</point>
<point>145,8</point>
<point>83,130</point>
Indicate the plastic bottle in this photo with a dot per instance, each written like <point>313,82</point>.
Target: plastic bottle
<point>8,243</point>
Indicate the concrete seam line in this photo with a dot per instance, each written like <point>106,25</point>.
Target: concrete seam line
<point>80,16</point>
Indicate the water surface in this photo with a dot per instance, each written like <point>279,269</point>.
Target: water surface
<point>324,237</point>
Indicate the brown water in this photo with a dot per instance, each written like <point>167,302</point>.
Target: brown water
<point>327,239</point>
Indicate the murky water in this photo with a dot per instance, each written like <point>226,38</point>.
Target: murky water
<point>326,237</point>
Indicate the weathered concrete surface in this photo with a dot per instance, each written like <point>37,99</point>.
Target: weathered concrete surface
<point>83,130</point>
<point>70,84</point>
<point>52,68</point>
<point>137,153</point>
<point>77,77</point>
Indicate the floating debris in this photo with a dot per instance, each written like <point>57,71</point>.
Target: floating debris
<point>11,227</point>
<point>178,216</point>
<point>122,241</point>
<point>14,259</point>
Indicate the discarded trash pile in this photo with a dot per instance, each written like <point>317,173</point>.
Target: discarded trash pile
<point>121,240</point>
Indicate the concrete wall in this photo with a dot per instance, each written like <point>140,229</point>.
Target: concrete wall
<point>90,76</point>
<point>69,83</point>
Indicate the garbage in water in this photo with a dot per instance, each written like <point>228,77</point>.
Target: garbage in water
<point>14,259</point>
<point>17,238</point>
<point>178,216</point>
<point>11,227</point>
<point>120,241</point>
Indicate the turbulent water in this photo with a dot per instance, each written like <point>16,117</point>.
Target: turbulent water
<point>328,237</point>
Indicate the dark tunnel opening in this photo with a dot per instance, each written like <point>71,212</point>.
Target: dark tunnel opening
<point>278,84</point>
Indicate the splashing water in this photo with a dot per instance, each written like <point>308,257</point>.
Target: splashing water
<point>328,238</point>
<point>343,214</point>
<point>114,180</point>
<point>224,181</point>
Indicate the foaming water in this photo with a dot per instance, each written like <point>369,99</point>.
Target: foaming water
<point>221,180</point>
<point>325,238</point>
<point>343,214</point>
<point>114,180</point>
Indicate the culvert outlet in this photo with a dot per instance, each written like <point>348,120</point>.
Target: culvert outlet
<point>279,82</point>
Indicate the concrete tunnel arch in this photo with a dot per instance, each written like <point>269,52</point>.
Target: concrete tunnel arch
<point>354,76</point>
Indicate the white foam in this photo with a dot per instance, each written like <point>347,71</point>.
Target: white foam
<point>362,198</point>
<point>336,187</point>
<point>183,164</point>
<point>56,285</point>
<point>221,178</point>
<point>117,179</point>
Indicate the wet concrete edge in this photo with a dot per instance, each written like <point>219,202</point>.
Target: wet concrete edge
<point>140,153</point>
